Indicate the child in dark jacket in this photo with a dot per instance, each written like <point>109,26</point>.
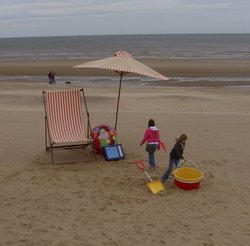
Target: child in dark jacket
<point>175,156</point>
<point>152,136</point>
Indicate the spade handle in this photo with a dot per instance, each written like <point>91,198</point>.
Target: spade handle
<point>148,176</point>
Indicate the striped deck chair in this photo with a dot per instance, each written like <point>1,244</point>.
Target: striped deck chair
<point>64,126</point>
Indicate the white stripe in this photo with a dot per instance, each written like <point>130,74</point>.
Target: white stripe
<point>154,128</point>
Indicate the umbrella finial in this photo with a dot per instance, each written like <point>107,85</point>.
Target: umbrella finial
<point>123,54</point>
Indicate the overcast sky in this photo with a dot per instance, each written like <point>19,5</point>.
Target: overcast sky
<point>27,18</point>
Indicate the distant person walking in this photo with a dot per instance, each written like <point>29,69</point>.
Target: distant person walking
<point>175,156</point>
<point>53,77</point>
<point>50,77</point>
<point>152,137</point>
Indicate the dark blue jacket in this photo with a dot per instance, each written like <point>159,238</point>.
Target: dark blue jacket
<point>177,151</point>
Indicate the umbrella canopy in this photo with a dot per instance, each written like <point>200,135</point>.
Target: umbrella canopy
<point>122,63</point>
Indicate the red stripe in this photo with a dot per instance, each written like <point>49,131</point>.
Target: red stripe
<point>123,54</point>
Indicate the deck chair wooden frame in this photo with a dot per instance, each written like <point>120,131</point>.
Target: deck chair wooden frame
<point>64,125</point>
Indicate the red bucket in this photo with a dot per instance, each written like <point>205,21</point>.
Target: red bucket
<point>187,178</point>
<point>186,186</point>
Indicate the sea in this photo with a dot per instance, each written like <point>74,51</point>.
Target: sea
<point>164,46</point>
<point>217,46</point>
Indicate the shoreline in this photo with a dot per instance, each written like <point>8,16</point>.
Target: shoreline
<point>168,67</point>
<point>238,83</point>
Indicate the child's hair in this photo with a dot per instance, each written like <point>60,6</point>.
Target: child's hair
<point>151,122</point>
<point>181,138</point>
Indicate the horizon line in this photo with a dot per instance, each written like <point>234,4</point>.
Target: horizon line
<point>149,34</point>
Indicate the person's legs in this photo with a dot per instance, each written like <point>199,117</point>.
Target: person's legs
<point>151,157</point>
<point>169,170</point>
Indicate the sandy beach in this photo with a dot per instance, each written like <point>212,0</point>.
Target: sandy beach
<point>83,201</point>
<point>171,67</point>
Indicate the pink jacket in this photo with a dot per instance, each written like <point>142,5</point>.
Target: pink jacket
<point>152,136</point>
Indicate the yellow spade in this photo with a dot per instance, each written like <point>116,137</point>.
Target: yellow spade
<point>154,186</point>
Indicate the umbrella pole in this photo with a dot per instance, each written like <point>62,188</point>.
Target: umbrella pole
<point>118,100</point>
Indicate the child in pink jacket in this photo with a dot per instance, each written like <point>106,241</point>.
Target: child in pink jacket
<point>152,137</point>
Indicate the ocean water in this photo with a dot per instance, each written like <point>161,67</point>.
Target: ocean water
<point>214,46</point>
<point>207,46</point>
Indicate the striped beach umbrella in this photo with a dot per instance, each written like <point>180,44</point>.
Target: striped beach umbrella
<point>122,63</point>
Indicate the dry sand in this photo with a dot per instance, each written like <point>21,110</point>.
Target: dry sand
<point>88,202</point>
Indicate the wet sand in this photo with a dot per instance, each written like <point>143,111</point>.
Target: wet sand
<point>170,67</point>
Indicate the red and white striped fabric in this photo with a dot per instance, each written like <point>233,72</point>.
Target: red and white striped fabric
<point>123,54</point>
<point>123,62</point>
<point>65,116</point>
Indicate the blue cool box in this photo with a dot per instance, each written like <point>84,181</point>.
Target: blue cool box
<point>113,152</point>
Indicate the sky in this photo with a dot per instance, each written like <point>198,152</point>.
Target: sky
<point>22,18</point>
